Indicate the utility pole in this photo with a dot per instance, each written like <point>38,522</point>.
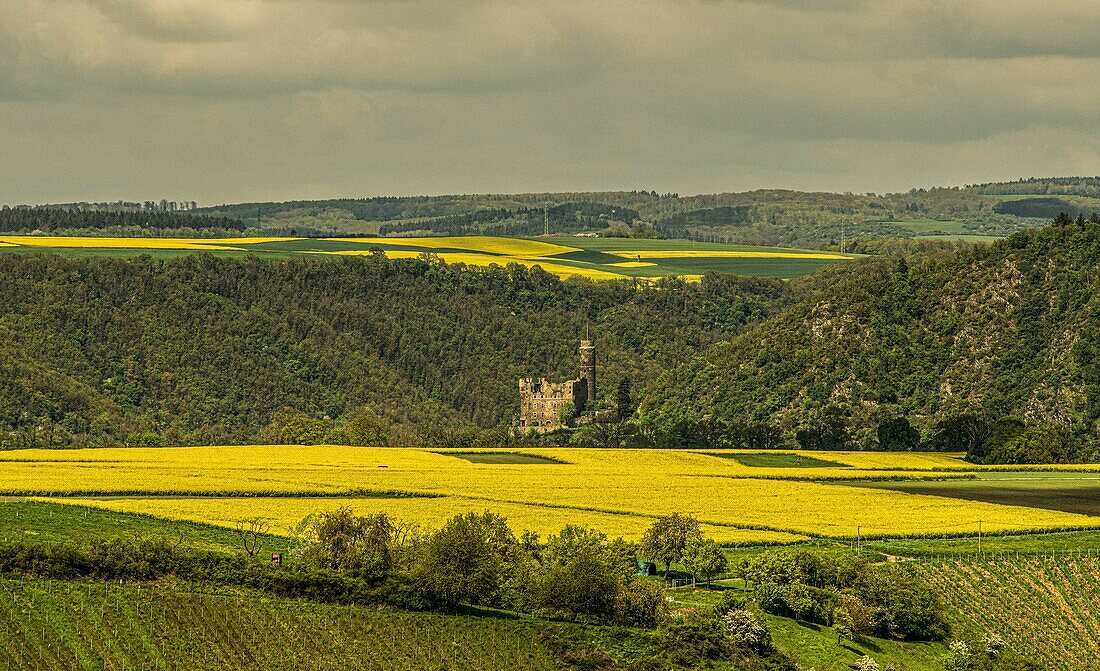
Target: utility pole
<point>841,236</point>
<point>979,536</point>
<point>859,541</point>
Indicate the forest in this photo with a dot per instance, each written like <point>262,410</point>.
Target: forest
<point>209,350</point>
<point>66,221</point>
<point>986,349</point>
<point>990,350</point>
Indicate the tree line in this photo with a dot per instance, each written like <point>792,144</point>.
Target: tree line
<point>59,220</point>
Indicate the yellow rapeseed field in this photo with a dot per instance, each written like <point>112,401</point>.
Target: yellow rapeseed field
<point>213,244</point>
<point>474,243</point>
<point>623,488</point>
<point>284,513</point>
<point>475,259</point>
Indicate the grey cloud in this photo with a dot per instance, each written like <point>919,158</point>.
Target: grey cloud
<point>235,99</point>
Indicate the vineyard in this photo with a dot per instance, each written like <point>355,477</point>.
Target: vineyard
<point>1044,605</point>
<point>57,625</point>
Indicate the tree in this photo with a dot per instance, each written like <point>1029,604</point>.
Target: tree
<point>829,431</point>
<point>466,561</point>
<point>342,541</point>
<point>624,406</point>
<point>293,427</point>
<point>897,435</point>
<point>567,413</point>
<point>251,532</point>
<point>703,557</point>
<point>665,540</point>
<point>367,429</point>
<point>961,433</point>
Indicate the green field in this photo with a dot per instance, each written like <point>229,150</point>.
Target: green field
<point>1080,494</point>
<point>931,226</point>
<point>53,625</point>
<point>594,258</point>
<point>43,522</point>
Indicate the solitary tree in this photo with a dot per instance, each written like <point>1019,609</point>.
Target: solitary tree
<point>251,532</point>
<point>665,540</point>
<point>703,557</point>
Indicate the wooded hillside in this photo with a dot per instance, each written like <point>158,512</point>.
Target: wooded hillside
<point>1004,336</point>
<point>205,350</point>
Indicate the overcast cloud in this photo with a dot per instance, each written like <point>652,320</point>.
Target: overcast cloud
<point>233,100</point>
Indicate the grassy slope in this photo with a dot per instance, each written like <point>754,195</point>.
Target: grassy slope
<point>43,522</point>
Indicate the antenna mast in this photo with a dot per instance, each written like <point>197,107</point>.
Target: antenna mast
<point>545,220</point>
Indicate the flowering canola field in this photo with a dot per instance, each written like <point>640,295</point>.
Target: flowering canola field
<point>617,491</point>
<point>592,258</point>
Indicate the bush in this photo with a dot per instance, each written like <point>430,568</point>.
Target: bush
<point>729,601</point>
<point>769,596</point>
<point>747,631</point>
<point>902,605</point>
<point>689,639</point>
<point>642,603</point>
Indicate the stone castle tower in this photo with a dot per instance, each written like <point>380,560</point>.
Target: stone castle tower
<point>588,366</point>
<point>541,402</point>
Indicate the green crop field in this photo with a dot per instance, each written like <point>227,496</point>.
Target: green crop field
<point>51,625</point>
<point>1045,606</point>
<point>1079,494</point>
<point>594,258</point>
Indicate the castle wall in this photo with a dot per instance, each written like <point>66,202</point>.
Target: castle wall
<point>541,401</point>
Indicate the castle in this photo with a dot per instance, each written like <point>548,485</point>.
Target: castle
<point>541,402</point>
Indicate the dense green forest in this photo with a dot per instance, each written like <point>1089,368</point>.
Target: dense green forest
<point>992,349</point>
<point>208,350</point>
<point>1065,186</point>
<point>74,221</point>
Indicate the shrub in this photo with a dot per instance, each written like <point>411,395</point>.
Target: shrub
<point>688,639</point>
<point>866,663</point>
<point>958,657</point>
<point>747,631</point>
<point>642,603</point>
<point>729,601</point>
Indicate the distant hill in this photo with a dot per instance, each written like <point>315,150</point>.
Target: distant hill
<point>767,217</point>
<point>1010,330</point>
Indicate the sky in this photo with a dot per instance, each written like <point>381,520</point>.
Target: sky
<point>241,100</point>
